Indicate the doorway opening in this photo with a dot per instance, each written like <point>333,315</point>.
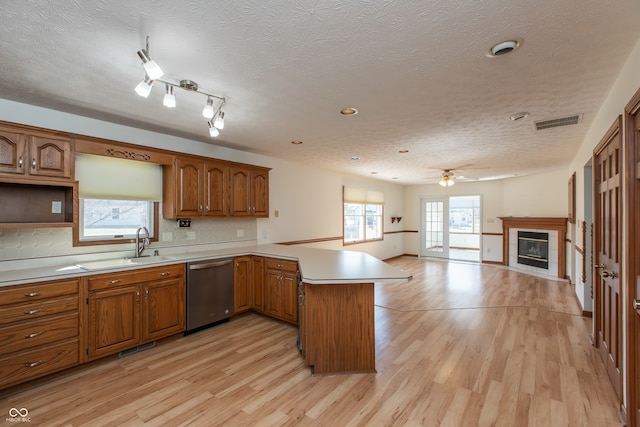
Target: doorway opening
<point>451,228</point>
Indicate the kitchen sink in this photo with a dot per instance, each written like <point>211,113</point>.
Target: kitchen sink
<point>123,262</point>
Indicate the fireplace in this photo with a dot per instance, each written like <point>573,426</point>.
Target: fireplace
<point>533,249</point>
<point>556,227</point>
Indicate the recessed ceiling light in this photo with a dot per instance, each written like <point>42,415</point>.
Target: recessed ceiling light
<point>503,48</point>
<point>374,173</point>
<point>403,151</point>
<point>350,111</point>
<point>355,158</point>
<point>296,142</point>
<point>395,177</point>
<point>518,116</point>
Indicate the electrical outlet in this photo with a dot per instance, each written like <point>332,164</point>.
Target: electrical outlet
<point>167,236</point>
<point>56,207</point>
<point>240,233</point>
<point>184,223</point>
<point>191,235</point>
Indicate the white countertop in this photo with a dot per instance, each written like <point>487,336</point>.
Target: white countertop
<point>317,266</point>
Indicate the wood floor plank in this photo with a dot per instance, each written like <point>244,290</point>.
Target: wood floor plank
<point>461,344</point>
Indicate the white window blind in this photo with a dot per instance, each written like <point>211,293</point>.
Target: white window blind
<point>102,177</point>
<point>360,195</point>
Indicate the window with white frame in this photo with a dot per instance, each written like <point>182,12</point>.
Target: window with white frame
<point>363,215</point>
<point>117,196</point>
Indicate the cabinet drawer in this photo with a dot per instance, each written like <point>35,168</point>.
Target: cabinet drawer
<point>279,264</point>
<point>31,334</point>
<point>110,280</point>
<point>37,309</point>
<point>37,291</point>
<point>26,365</point>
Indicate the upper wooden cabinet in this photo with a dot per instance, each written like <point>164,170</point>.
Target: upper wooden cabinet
<point>27,153</point>
<point>250,195</point>
<point>195,186</point>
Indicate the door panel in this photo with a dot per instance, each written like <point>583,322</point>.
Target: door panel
<point>632,151</point>
<point>608,243</point>
<point>435,223</point>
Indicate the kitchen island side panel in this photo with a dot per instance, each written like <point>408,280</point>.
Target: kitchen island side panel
<point>338,329</point>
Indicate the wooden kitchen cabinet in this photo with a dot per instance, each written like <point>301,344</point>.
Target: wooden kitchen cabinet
<point>39,330</point>
<point>131,308</point>
<point>281,289</point>
<point>250,192</point>
<point>30,153</point>
<point>194,187</point>
<point>257,272</point>
<point>242,284</point>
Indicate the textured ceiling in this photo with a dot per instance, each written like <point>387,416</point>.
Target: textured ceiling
<point>416,70</point>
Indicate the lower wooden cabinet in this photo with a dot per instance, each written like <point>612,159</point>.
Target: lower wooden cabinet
<point>39,329</point>
<point>266,285</point>
<point>132,308</point>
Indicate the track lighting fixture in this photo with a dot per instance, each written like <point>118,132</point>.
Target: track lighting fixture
<point>169,98</point>
<point>154,73</point>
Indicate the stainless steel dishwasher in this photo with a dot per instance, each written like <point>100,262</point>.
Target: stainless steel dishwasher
<point>209,293</point>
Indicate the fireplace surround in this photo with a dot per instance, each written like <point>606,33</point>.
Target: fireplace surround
<point>555,226</point>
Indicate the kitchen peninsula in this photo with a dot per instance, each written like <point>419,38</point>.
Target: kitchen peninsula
<point>335,295</point>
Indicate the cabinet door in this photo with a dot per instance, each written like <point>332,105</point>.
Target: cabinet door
<point>240,192</point>
<point>163,309</point>
<point>12,152</point>
<point>188,187</point>
<point>242,292</point>
<point>260,193</point>
<point>290,297</point>
<point>114,320</point>
<point>257,271</point>
<point>216,189</point>
<point>273,293</point>
<point>50,156</point>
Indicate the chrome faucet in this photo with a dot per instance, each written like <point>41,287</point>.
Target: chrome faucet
<point>145,241</point>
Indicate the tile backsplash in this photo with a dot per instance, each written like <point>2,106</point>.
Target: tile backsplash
<point>32,243</point>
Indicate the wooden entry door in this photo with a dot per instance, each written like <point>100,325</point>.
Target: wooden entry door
<point>608,244</point>
<point>632,152</point>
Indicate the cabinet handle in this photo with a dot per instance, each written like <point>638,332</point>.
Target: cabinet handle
<point>166,273</point>
<point>32,294</point>
<point>200,208</point>
<point>138,296</point>
<point>113,282</point>
<point>32,364</point>
<point>33,164</point>
<point>33,311</point>
<point>20,162</point>
<point>146,295</point>
<point>33,335</point>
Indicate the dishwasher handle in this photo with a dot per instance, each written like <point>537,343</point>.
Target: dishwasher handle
<point>210,264</point>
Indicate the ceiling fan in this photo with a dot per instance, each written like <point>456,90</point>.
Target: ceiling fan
<point>448,177</point>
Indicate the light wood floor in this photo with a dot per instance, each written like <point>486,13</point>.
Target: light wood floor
<point>460,345</point>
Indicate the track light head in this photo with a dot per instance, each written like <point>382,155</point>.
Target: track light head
<point>152,69</point>
<point>169,100</point>
<point>144,87</point>
<point>213,131</point>
<point>208,112</point>
<point>219,123</point>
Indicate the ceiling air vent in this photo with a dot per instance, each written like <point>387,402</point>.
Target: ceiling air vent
<point>553,123</point>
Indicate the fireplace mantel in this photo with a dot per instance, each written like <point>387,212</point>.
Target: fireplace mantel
<point>558,224</point>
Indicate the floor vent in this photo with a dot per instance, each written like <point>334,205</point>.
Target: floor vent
<point>564,121</point>
<point>137,349</point>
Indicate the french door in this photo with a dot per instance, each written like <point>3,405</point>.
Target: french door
<point>435,227</point>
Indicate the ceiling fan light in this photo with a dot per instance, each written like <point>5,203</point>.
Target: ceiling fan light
<point>144,87</point>
<point>446,181</point>
<point>207,111</point>
<point>152,69</point>
<point>219,122</point>
<point>169,100</point>
<point>213,131</point>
